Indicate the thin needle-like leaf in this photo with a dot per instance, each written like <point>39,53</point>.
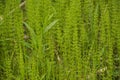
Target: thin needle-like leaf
<point>50,26</point>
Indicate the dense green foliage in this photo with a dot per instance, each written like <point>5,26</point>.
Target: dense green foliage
<point>59,39</point>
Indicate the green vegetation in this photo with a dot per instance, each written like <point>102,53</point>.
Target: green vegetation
<point>59,39</point>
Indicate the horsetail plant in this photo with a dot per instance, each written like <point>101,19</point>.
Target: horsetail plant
<point>59,40</point>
